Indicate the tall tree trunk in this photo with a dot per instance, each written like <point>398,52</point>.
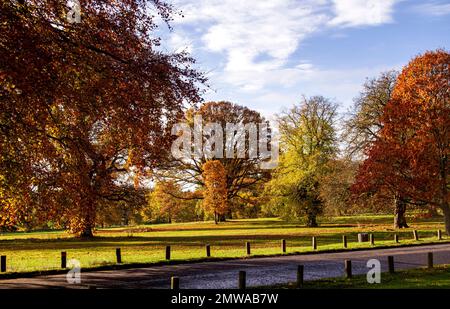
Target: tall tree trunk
<point>312,220</point>
<point>215,217</point>
<point>230,213</point>
<point>87,221</point>
<point>87,232</point>
<point>444,193</point>
<point>399,214</point>
<point>447,219</point>
<point>82,220</point>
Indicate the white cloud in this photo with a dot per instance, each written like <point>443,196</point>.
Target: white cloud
<point>179,42</point>
<point>433,8</point>
<point>339,84</point>
<point>257,38</point>
<point>350,13</point>
<point>244,30</point>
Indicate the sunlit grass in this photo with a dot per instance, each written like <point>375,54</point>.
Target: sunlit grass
<point>38,251</point>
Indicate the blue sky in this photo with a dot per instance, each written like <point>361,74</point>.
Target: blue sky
<point>266,54</point>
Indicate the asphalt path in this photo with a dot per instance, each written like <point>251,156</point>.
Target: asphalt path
<point>224,274</point>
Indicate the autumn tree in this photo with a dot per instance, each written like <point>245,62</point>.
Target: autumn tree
<point>215,192</point>
<point>362,129</point>
<point>250,201</point>
<point>83,104</point>
<point>412,152</point>
<point>335,187</point>
<point>242,173</point>
<point>163,205</point>
<point>124,211</point>
<point>308,142</point>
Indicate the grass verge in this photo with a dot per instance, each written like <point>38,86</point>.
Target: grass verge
<point>38,253</point>
<point>421,278</point>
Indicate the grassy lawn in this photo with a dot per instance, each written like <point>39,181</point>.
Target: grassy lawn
<point>40,251</point>
<point>437,278</point>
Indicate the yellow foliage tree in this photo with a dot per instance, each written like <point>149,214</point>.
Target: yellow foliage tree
<point>215,193</point>
<point>163,204</point>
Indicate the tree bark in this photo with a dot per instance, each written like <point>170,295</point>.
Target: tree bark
<point>87,232</point>
<point>82,221</point>
<point>399,214</point>
<point>312,220</point>
<point>447,219</point>
<point>444,193</point>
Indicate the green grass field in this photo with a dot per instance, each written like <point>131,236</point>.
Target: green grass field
<point>436,278</point>
<point>40,251</point>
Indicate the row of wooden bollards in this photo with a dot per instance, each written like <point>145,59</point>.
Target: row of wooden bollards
<point>208,249</point>
<point>314,243</point>
<point>284,246</point>
<point>242,276</point>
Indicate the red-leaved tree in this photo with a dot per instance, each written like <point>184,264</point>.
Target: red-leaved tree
<point>83,104</point>
<point>411,157</point>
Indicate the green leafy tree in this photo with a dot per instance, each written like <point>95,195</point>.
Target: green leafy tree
<point>308,142</point>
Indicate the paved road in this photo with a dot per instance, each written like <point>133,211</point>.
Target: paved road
<point>223,274</point>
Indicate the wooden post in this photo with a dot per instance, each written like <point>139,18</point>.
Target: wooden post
<point>3,263</point>
<point>63,260</point>
<point>167,252</point>
<point>416,236</point>
<point>344,241</point>
<point>391,264</point>
<point>372,239</point>
<point>300,275</point>
<point>283,245</point>
<point>363,237</point>
<point>208,250</point>
<point>242,279</point>
<point>247,247</point>
<point>174,283</point>
<point>396,238</point>
<point>439,235</point>
<point>314,243</point>
<point>118,256</point>
<point>430,259</point>
<point>348,269</point>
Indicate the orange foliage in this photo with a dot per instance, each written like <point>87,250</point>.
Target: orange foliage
<point>411,156</point>
<point>215,193</point>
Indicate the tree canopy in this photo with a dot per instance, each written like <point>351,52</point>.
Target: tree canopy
<point>82,104</point>
<point>308,142</point>
<point>411,156</point>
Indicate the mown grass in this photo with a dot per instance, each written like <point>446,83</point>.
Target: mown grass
<point>436,278</point>
<point>40,251</point>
